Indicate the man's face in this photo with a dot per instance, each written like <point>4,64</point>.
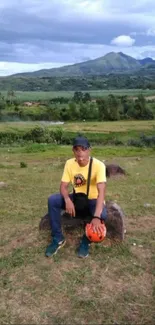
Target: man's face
<point>81,154</point>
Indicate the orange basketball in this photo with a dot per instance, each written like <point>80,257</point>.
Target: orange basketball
<point>94,236</point>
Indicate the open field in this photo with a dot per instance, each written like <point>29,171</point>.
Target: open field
<point>105,127</point>
<point>121,133</point>
<point>115,284</point>
<point>42,95</point>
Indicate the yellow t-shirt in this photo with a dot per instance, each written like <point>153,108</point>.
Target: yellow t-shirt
<point>78,176</point>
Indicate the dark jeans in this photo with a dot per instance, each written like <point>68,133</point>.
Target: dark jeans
<point>55,204</point>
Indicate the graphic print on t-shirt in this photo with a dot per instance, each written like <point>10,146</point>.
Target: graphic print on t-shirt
<point>79,180</point>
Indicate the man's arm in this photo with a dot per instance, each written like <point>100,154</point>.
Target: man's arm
<point>68,202</point>
<point>100,199</point>
<point>96,223</point>
<point>64,190</point>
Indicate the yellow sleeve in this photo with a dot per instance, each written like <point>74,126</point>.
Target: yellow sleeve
<point>66,174</point>
<point>101,173</point>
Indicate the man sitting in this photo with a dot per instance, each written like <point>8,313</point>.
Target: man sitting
<point>76,172</point>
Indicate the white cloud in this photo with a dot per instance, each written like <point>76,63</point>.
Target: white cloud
<point>77,53</point>
<point>8,68</point>
<point>123,40</point>
<point>150,32</point>
<point>49,33</point>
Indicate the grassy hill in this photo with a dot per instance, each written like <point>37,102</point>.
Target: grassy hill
<point>112,71</point>
<point>111,62</point>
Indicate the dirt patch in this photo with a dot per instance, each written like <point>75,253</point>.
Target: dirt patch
<point>140,222</point>
<point>146,97</point>
<point>143,255</point>
<point>23,238</point>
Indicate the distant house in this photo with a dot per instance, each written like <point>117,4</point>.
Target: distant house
<point>93,101</point>
<point>28,104</point>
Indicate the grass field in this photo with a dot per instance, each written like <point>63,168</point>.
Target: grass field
<point>106,127</point>
<point>42,95</point>
<point>115,284</point>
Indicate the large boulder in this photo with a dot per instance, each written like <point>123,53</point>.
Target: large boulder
<point>114,170</point>
<point>114,222</point>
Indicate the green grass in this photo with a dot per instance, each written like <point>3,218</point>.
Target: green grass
<point>103,127</point>
<point>43,95</point>
<point>115,284</point>
<point>98,133</point>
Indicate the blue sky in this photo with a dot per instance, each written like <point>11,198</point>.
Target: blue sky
<point>37,34</point>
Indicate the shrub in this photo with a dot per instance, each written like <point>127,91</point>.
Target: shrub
<point>143,141</point>
<point>23,164</point>
<point>118,142</point>
<point>135,143</point>
<point>9,137</point>
<point>148,141</point>
<point>38,134</point>
<point>57,135</point>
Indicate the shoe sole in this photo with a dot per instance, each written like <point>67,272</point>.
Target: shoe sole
<point>60,246</point>
<point>81,256</point>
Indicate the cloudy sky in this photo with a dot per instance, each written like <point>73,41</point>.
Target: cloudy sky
<point>37,34</point>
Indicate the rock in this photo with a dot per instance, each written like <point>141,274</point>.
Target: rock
<point>148,205</point>
<point>2,184</point>
<point>114,222</point>
<point>113,170</point>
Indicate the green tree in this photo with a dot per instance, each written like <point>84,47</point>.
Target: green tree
<point>73,111</point>
<point>83,114</point>
<point>2,104</point>
<point>113,108</point>
<point>86,98</point>
<point>10,96</point>
<point>16,105</point>
<point>53,113</point>
<point>92,111</point>
<point>102,109</point>
<point>64,114</point>
<point>140,107</point>
<point>78,96</point>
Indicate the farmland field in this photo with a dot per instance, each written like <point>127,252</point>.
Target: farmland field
<point>107,127</point>
<point>116,283</point>
<point>42,95</point>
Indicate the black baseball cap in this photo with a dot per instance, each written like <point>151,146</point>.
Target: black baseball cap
<point>81,141</point>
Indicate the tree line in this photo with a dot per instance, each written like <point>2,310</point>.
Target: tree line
<point>139,80</point>
<point>80,107</point>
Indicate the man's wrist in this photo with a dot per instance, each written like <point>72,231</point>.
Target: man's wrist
<point>96,217</point>
<point>66,198</point>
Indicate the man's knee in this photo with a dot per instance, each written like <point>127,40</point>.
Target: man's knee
<point>104,214</point>
<point>55,200</point>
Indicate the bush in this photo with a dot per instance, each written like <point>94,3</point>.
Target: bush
<point>57,135</point>
<point>143,141</point>
<point>148,141</point>
<point>23,164</point>
<point>9,137</point>
<point>118,142</point>
<point>135,143</point>
<point>38,134</point>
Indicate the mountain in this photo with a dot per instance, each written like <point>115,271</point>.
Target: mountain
<point>110,63</point>
<point>146,61</point>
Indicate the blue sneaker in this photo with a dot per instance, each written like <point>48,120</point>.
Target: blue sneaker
<point>54,246</point>
<point>83,250</point>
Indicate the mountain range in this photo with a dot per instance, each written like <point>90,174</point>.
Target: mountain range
<point>109,63</point>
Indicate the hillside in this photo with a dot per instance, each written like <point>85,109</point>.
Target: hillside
<point>112,71</point>
<point>110,63</point>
